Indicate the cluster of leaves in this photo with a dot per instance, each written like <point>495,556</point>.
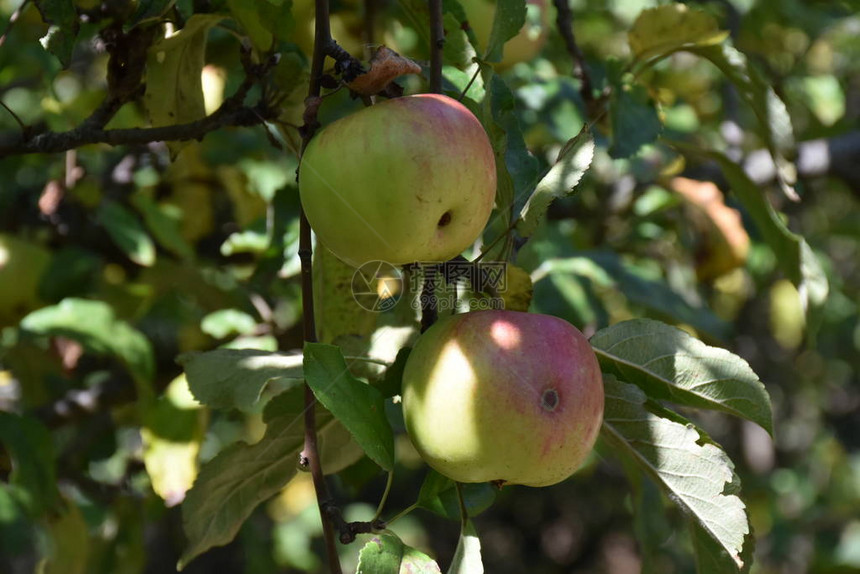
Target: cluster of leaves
<point>115,261</point>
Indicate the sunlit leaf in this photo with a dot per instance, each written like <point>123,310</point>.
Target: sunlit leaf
<point>695,473</point>
<point>467,557</point>
<point>670,364</point>
<point>357,405</point>
<point>573,161</point>
<point>672,27</point>
<point>239,378</point>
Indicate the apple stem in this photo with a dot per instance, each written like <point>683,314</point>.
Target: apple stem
<point>379,508</point>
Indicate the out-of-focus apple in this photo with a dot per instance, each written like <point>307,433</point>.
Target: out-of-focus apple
<point>409,179</point>
<point>503,396</point>
<point>523,47</point>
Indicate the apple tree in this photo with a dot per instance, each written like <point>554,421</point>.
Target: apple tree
<point>460,285</point>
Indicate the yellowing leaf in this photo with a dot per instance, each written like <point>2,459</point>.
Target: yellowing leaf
<point>660,31</point>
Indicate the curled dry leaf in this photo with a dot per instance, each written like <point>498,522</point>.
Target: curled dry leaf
<point>385,66</point>
<point>724,241</point>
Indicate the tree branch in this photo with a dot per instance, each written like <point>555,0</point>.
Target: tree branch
<point>52,142</point>
<point>437,43</point>
<point>564,21</point>
<point>323,45</point>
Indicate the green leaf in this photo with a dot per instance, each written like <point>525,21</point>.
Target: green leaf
<point>660,31</point>
<point>238,378</point>
<point>354,403</point>
<point>172,435</point>
<point>516,168</point>
<point>29,446</point>
<point>774,123</point>
<point>226,322</point>
<point>128,233</point>
<point>249,17</point>
<point>150,9</point>
<point>694,472</point>
<point>61,36</point>
<point>670,364</point>
<point>570,287</point>
<point>174,89</point>
<point>438,494</point>
<point>634,118</point>
<point>793,253</point>
<point>467,557</point>
<point>386,554</point>
<point>70,543</point>
<point>242,476</point>
<point>94,325</point>
<point>457,51</point>
<point>164,223</point>
<point>509,19</point>
<point>573,161</point>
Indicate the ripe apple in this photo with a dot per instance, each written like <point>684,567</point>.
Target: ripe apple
<point>409,179</point>
<point>523,47</point>
<point>503,396</point>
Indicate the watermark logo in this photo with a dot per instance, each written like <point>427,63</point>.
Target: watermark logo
<point>377,286</point>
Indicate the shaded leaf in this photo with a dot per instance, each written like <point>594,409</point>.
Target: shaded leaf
<point>634,118</point>
<point>357,405</point>
<point>670,364</point>
<point>128,233</point>
<point>231,485</point>
<point>238,378</point>
<point>572,287</point>
<point>94,325</point>
<point>573,161</point>
<point>509,18</point>
<point>165,227</point>
<point>61,36</point>
<point>438,494</point>
<point>694,472</point>
<point>31,451</point>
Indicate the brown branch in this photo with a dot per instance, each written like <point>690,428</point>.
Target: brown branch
<point>437,43</point>
<point>52,142</point>
<point>323,45</point>
<point>564,20</point>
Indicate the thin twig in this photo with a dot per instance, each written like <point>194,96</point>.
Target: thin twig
<point>12,19</point>
<point>52,142</point>
<point>437,43</point>
<point>15,117</point>
<point>310,452</point>
<point>564,20</point>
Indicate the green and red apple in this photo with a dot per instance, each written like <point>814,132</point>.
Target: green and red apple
<point>503,396</point>
<point>409,179</point>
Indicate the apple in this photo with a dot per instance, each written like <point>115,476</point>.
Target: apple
<point>523,47</point>
<point>409,179</point>
<point>503,396</point>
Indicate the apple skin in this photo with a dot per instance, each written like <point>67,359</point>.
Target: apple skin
<point>525,46</point>
<point>503,396</point>
<point>409,179</point>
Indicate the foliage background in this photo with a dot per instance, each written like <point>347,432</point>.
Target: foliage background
<point>115,260</point>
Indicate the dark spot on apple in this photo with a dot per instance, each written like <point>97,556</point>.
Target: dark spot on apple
<point>445,219</point>
<point>549,400</point>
